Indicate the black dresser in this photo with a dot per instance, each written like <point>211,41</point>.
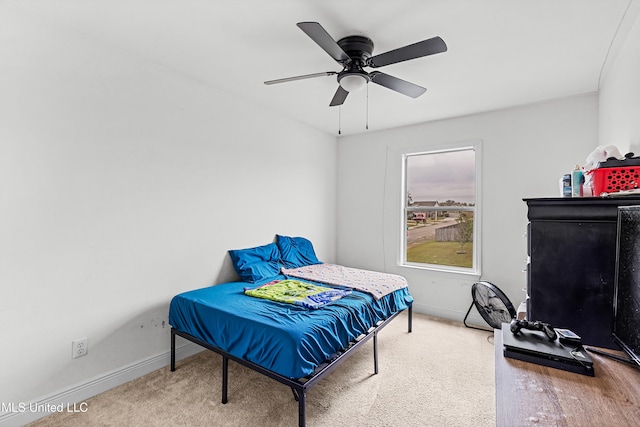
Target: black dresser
<point>571,267</point>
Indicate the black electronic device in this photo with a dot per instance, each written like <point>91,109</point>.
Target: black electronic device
<point>535,346</point>
<point>626,318</point>
<point>517,325</point>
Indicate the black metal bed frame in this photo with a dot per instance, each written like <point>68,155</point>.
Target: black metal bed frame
<point>298,386</point>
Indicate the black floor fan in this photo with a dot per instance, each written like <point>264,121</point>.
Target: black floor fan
<point>492,304</point>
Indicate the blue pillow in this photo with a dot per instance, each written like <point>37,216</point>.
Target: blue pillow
<point>296,251</point>
<point>256,264</point>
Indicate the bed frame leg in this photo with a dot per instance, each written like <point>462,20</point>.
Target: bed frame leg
<point>410,317</point>
<point>375,353</point>
<point>302,397</point>
<point>173,350</point>
<point>225,378</point>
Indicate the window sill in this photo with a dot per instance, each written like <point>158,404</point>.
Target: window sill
<point>438,269</point>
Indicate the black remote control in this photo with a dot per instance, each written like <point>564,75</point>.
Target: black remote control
<point>569,337</point>
<point>516,325</point>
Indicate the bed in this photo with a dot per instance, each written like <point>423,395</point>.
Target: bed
<point>290,342</point>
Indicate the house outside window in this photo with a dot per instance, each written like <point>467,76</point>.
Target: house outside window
<point>441,210</point>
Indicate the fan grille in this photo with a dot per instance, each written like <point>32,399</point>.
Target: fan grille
<point>492,304</point>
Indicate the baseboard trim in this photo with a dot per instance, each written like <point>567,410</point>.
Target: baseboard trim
<point>71,398</point>
<point>474,318</point>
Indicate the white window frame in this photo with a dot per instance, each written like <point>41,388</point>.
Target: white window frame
<point>475,270</point>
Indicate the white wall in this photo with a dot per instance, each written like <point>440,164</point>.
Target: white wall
<point>122,184</point>
<point>525,152</point>
<point>619,95</point>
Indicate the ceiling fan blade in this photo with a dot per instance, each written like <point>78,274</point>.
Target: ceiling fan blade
<point>339,97</point>
<point>412,51</point>
<point>399,85</point>
<point>306,76</point>
<point>319,35</point>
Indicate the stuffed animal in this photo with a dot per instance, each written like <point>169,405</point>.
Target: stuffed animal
<point>601,154</point>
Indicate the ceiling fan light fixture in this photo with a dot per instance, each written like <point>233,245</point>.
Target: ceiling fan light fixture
<point>352,82</point>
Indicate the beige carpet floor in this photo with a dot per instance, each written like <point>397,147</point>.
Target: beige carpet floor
<point>442,374</point>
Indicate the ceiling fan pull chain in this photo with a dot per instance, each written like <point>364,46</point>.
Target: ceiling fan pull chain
<point>367,121</point>
<point>339,119</point>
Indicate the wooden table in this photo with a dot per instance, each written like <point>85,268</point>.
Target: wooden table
<point>528,394</point>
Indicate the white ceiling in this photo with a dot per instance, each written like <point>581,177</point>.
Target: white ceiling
<point>500,52</point>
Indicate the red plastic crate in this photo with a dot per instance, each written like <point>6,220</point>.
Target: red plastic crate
<point>612,180</point>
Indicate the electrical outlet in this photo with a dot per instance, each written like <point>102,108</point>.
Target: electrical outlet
<point>79,347</point>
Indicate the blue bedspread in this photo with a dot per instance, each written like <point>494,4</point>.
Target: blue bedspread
<point>284,338</point>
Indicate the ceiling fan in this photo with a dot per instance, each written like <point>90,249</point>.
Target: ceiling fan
<point>353,53</point>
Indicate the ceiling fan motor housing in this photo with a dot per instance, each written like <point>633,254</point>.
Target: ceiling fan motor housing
<point>359,49</point>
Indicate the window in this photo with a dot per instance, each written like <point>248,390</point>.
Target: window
<point>441,215</point>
